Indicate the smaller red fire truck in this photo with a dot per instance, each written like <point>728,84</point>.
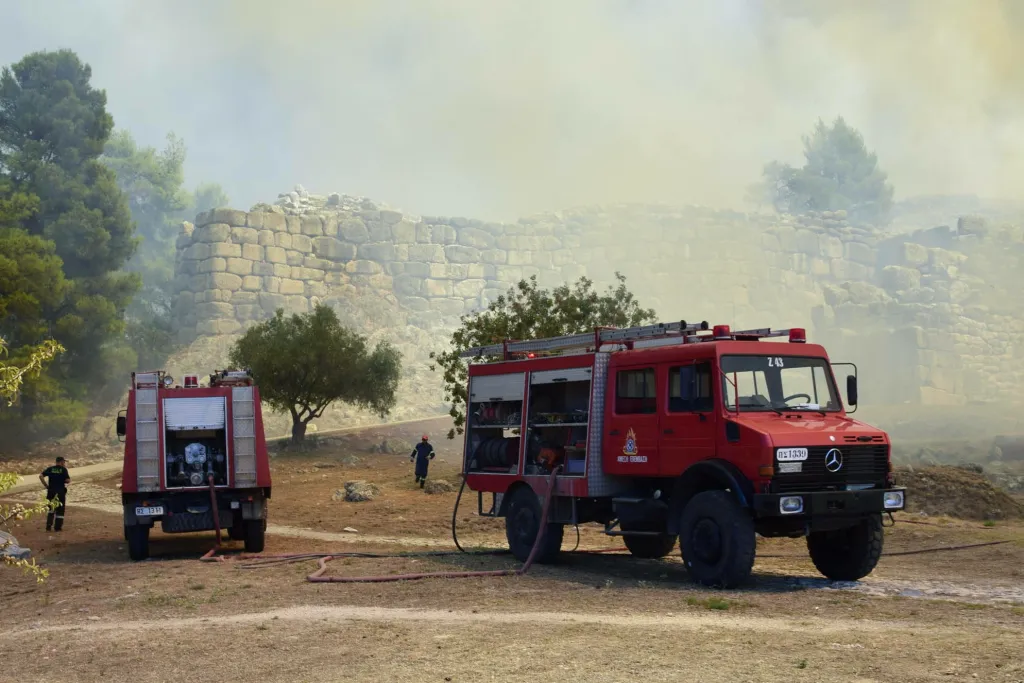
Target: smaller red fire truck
<point>679,432</point>
<point>189,447</point>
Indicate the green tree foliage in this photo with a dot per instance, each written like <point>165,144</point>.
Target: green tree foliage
<point>154,182</point>
<point>53,128</point>
<point>303,363</point>
<point>839,173</point>
<point>529,312</point>
<point>12,375</point>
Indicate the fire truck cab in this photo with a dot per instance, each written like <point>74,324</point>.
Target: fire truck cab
<point>192,452</point>
<point>677,431</point>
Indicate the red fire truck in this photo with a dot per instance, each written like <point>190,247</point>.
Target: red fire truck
<point>189,447</point>
<point>676,431</point>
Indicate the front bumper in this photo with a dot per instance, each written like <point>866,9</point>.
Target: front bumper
<point>831,503</point>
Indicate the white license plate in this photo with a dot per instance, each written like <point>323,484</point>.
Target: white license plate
<point>150,511</point>
<point>790,467</point>
<point>791,454</point>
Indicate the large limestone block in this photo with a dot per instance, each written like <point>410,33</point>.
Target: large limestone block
<point>427,253</point>
<point>390,217</point>
<point>469,288</point>
<point>239,266</point>
<point>297,303</point>
<point>437,288</point>
<point>219,326</point>
<point>213,232</point>
<point>226,250</point>
<point>252,283</point>
<point>283,240</point>
<point>225,281</point>
<point>254,219</point>
<point>420,270</point>
<point>243,297</point>
<point>333,249</point>
<point>312,226</point>
<point>858,252</point>
<point>302,243</point>
<point>213,265</point>
<point>899,278</point>
<point>275,222</point>
<point>293,257</point>
<point>451,307</point>
<point>198,252</point>
<point>271,284</point>
<point>293,224</point>
<point>247,312</point>
<point>495,256</point>
<point>520,258</point>
<point>232,217</point>
<point>449,271</point>
<point>407,285</point>
<point>353,230</point>
<point>381,251</point>
<point>330,225</point>
<point>290,286</point>
<point>914,255</point>
<point>404,232</point>
<point>379,232</point>
<point>443,234</point>
<point>459,254</point>
<point>270,302</point>
<point>253,252</point>
<point>245,236</point>
<point>281,270</point>
<point>363,267</point>
<point>275,254</point>
<point>266,238</point>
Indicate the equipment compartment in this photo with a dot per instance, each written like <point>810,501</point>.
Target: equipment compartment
<point>494,423</point>
<point>193,455</point>
<point>557,421</point>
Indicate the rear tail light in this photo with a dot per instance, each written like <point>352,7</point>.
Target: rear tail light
<point>797,335</point>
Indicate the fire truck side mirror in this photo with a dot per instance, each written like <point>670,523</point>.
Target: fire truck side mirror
<point>122,425</point>
<point>851,389</point>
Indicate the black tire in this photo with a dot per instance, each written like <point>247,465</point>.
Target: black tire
<point>847,554</point>
<point>138,541</point>
<point>255,534</point>
<point>648,547</point>
<point>717,540</point>
<point>521,524</point>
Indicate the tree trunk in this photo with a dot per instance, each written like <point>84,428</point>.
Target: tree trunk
<point>298,431</point>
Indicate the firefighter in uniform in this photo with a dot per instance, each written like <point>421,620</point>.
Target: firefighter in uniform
<point>56,479</point>
<point>423,453</point>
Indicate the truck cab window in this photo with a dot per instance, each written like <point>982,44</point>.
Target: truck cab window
<point>635,392</point>
<point>689,388</point>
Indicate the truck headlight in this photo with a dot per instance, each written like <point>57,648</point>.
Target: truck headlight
<point>791,505</point>
<point>893,500</point>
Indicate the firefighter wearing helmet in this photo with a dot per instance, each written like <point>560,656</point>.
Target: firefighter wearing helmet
<point>423,453</point>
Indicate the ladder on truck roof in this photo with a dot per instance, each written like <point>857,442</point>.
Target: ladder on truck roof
<point>595,339</point>
<point>669,332</point>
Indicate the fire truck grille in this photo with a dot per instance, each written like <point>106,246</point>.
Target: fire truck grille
<point>860,465</point>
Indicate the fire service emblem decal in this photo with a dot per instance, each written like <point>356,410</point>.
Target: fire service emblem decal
<point>630,447</point>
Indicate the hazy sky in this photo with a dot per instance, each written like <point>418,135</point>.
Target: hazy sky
<point>495,109</point>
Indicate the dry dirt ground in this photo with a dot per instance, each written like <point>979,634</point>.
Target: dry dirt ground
<point>940,616</point>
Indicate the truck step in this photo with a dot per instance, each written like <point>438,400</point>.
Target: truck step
<point>633,533</point>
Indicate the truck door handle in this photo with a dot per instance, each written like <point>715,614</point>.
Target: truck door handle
<point>669,431</point>
<point>613,432</point>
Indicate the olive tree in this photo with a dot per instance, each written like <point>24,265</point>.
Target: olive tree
<point>528,312</point>
<point>305,362</point>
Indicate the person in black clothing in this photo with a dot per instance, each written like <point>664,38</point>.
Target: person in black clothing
<point>423,453</point>
<point>56,479</point>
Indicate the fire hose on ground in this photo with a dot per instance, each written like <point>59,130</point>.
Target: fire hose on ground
<point>258,561</point>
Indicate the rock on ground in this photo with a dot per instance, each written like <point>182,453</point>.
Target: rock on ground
<point>9,547</point>
<point>438,486</point>
<point>357,492</point>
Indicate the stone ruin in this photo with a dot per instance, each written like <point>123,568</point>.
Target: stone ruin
<point>941,306</point>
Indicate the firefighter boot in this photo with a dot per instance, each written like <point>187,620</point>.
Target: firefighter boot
<point>423,481</point>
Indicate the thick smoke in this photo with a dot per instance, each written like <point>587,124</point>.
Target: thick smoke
<point>498,109</point>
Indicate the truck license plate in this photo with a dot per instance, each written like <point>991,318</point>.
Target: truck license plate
<point>150,511</point>
<point>791,454</point>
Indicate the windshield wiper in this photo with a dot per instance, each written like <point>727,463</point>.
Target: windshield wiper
<point>808,408</point>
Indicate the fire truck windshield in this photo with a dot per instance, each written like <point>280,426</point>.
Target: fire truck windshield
<point>778,383</point>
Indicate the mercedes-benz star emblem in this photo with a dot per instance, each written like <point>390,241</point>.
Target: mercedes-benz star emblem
<point>834,460</point>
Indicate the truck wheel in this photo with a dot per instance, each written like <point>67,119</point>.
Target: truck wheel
<point>847,554</point>
<point>521,524</point>
<point>255,533</point>
<point>648,547</point>
<point>138,541</point>
<point>717,539</point>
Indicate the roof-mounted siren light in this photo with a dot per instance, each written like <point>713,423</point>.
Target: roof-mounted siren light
<point>191,381</point>
<point>797,335</point>
<point>721,332</point>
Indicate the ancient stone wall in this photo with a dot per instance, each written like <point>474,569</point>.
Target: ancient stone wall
<point>921,305</point>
